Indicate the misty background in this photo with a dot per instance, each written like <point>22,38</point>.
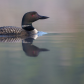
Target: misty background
<point>66,16</point>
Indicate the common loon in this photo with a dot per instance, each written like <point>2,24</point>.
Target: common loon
<point>27,28</point>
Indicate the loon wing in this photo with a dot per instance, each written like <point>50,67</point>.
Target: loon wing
<point>10,30</point>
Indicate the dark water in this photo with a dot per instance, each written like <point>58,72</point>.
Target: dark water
<point>49,59</point>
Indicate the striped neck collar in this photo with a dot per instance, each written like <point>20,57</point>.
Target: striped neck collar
<point>26,25</point>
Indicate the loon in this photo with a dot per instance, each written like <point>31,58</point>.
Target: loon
<point>27,28</point>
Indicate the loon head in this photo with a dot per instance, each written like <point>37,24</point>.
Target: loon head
<point>29,18</point>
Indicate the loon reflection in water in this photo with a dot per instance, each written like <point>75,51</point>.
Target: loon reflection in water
<point>27,43</point>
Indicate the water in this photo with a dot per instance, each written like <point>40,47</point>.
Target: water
<point>61,60</point>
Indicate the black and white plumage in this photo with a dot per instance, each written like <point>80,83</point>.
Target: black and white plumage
<point>9,30</point>
<point>26,25</point>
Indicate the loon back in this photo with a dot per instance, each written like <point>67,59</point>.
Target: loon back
<point>10,30</point>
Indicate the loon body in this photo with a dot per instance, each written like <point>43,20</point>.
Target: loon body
<point>12,30</point>
<point>26,25</point>
<point>5,30</point>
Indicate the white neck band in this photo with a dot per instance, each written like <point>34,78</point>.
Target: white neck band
<point>26,25</point>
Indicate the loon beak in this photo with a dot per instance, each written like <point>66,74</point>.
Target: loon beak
<point>43,17</point>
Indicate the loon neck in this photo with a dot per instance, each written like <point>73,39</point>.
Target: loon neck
<point>28,27</point>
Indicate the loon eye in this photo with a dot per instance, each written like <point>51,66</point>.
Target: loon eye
<point>32,15</point>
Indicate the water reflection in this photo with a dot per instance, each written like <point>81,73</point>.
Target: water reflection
<point>27,43</point>
<point>31,50</point>
<point>63,64</point>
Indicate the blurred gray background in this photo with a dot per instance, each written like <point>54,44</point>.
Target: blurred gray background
<point>66,16</point>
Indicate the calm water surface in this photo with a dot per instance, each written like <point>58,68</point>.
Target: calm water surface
<point>49,59</point>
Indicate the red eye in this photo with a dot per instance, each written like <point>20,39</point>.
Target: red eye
<point>32,15</point>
